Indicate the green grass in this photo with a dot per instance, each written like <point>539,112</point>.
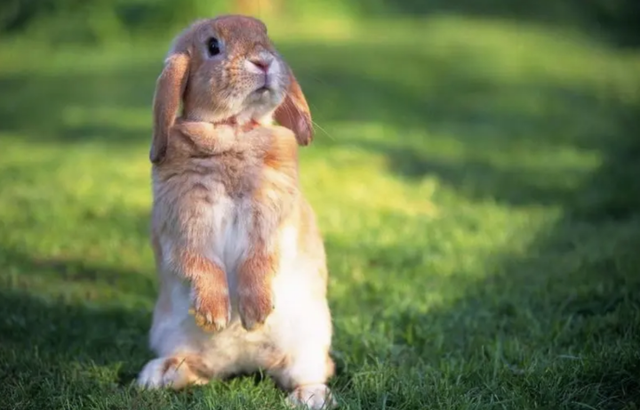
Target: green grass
<point>476,181</point>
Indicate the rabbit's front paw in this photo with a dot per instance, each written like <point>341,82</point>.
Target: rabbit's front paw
<point>255,298</point>
<point>210,309</point>
<point>255,304</point>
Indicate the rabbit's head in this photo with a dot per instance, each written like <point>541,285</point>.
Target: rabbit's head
<point>226,69</point>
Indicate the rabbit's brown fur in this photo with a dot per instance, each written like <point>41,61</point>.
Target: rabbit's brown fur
<point>235,241</point>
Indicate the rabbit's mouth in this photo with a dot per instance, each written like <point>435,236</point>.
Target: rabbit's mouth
<point>267,94</point>
<point>262,90</point>
<point>261,101</point>
<point>268,85</point>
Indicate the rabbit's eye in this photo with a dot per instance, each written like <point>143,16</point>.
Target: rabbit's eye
<point>213,46</point>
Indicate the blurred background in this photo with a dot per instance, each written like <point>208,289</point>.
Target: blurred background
<point>100,21</point>
<point>475,175</point>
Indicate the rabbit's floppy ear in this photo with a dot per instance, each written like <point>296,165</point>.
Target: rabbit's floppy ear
<point>166,100</point>
<point>294,112</point>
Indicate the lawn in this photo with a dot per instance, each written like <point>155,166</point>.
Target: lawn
<point>477,182</point>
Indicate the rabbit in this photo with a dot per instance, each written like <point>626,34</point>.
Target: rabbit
<point>240,259</point>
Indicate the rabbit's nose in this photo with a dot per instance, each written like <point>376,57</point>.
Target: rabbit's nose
<point>261,63</point>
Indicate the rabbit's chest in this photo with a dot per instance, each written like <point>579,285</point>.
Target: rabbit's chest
<point>216,206</point>
<point>220,219</point>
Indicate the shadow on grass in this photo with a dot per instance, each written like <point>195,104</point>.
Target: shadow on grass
<point>451,99</point>
<point>557,327</point>
<point>110,106</point>
<point>55,354</point>
<point>77,271</point>
<point>575,295</point>
<point>68,346</point>
<point>66,351</point>
<point>613,21</point>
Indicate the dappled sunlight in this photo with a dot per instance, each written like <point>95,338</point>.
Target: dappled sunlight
<point>474,176</point>
<point>496,51</point>
<point>425,264</point>
<point>368,188</point>
<point>63,281</point>
<point>81,204</point>
<point>129,119</point>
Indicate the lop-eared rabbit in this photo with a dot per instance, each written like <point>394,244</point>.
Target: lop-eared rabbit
<point>240,259</point>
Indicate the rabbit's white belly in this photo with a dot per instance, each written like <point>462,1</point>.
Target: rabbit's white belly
<point>299,320</point>
<point>224,231</point>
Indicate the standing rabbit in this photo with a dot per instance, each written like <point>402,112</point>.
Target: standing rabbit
<point>240,259</point>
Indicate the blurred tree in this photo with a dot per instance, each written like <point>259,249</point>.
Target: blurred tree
<point>258,7</point>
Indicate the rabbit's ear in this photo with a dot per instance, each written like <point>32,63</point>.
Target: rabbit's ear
<point>294,112</point>
<point>166,101</point>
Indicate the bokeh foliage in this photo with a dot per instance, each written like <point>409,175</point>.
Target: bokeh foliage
<point>101,20</point>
